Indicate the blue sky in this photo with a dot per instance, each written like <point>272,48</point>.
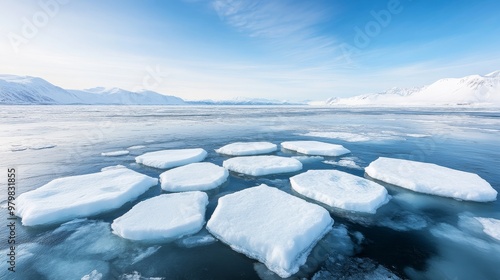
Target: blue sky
<point>222,49</point>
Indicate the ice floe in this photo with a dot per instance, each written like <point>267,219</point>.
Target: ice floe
<point>200,176</point>
<point>345,162</point>
<point>308,159</point>
<point>247,148</point>
<point>115,153</point>
<point>315,148</point>
<point>431,179</point>
<point>262,165</point>
<point>42,146</point>
<point>171,158</point>
<point>271,226</point>
<point>163,218</point>
<point>490,226</point>
<point>137,147</point>
<point>79,196</point>
<point>340,190</point>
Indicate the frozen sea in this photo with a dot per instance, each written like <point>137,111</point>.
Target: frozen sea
<point>414,236</point>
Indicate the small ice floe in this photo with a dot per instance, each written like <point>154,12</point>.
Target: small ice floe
<point>112,167</point>
<point>200,176</point>
<point>348,162</point>
<point>490,226</point>
<point>42,146</point>
<point>431,179</point>
<point>72,197</point>
<point>247,148</point>
<point>315,148</point>
<point>269,225</point>
<point>262,165</point>
<point>18,148</point>
<point>163,218</point>
<point>115,153</point>
<point>340,190</point>
<point>137,147</point>
<point>171,158</point>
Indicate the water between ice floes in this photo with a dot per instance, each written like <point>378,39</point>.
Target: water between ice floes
<point>413,236</point>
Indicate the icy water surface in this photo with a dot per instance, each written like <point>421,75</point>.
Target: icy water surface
<point>414,236</point>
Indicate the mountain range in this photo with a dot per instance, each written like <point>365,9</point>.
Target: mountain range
<point>475,90</point>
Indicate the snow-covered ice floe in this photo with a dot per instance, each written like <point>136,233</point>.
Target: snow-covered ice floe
<point>137,147</point>
<point>171,158</point>
<point>200,176</point>
<point>247,148</point>
<point>431,179</point>
<point>262,165</point>
<point>315,148</point>
<point>340,190</point>
<point>72,197</point>
<point>115,153</point>
<point>163,218</point>
<point>269,225</point>
<point>490,226</point>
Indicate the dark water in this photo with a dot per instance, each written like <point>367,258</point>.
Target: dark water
<point>413,236</point>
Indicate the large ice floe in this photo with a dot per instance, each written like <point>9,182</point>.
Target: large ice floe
<point>315,148</point>
<point>262,165</point>
<point>269,225</point>
<point>200,176</point>
<point>171,158</point>
<point>247,148</point>
<point>67,198</point>
<point>340,190</point>
<point>163,218</point>
<point>431,179</point>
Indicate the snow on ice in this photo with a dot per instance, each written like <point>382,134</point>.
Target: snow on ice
<point>79,196</point>
<point>171,158</point>
<point>247,148</point>
<point>315,148</point>
<point>431,179</point>
<point>163,218</point>
<point>115,153</point>
<point>341,190</point>
<point>271,226</point>
<point>200,176</point>
<point>262,165</point>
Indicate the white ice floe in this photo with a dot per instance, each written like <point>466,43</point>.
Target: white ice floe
<point>136,147</point>
<point>262,165</point>
<point>431,179</point>
<point>79,196</point>
<point>315,148</point>
<point>107,168</point>
<point>308,159</point>
<point>341,190</point>
<point>271,226</point>
<point>344,162</point>
<point>247,148</point>
<point>200,176</point>
<point>490,226</point>
<point>163,218</point>
<point>115,153</point>
<point>171,158</point>
<point>42,146</point>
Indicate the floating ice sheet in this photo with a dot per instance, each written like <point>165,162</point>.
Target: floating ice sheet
<point>200,176</point>
<point>341,190</point>
<point>262,165</point>
<point>431,179</point>
<point>490,226</point>
<point>315,148</point>
<point>79,196</point>
<point>271,226</point>
<point>247,148</point>
<point>115,153</point>
<point>163,218</point>
<point>171,158</point>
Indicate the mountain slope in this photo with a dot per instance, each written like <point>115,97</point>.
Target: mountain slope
<point>469,90</point>
<point>32,90</point>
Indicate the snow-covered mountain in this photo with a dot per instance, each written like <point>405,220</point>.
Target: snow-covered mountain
<point>470,90</point>
<point>32,90</point>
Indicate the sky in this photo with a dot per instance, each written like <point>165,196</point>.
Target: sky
<point>223,49</point>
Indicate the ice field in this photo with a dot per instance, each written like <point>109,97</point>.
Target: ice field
<point>84,161</point>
